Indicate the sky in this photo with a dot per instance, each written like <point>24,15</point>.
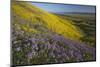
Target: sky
<point>51,7</point>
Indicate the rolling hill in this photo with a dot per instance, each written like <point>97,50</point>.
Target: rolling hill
<point>52,22</point>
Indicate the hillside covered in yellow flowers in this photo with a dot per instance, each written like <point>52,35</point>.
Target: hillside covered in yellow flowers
<point>54,23</point>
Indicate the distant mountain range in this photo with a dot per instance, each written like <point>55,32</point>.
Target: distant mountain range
<point>85,13</point>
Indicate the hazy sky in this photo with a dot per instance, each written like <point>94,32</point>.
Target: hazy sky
<point>50,7</point>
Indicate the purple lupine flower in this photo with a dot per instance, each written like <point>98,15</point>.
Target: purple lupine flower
<point>49,45</point>
<point>54,46</point>
<point>18,49</point>
<point>29,55</point>
<point>34,46</point>
<point>33,40</point>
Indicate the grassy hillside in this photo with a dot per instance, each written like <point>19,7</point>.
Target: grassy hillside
<point>51,21</point>
<point>87,23</point>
